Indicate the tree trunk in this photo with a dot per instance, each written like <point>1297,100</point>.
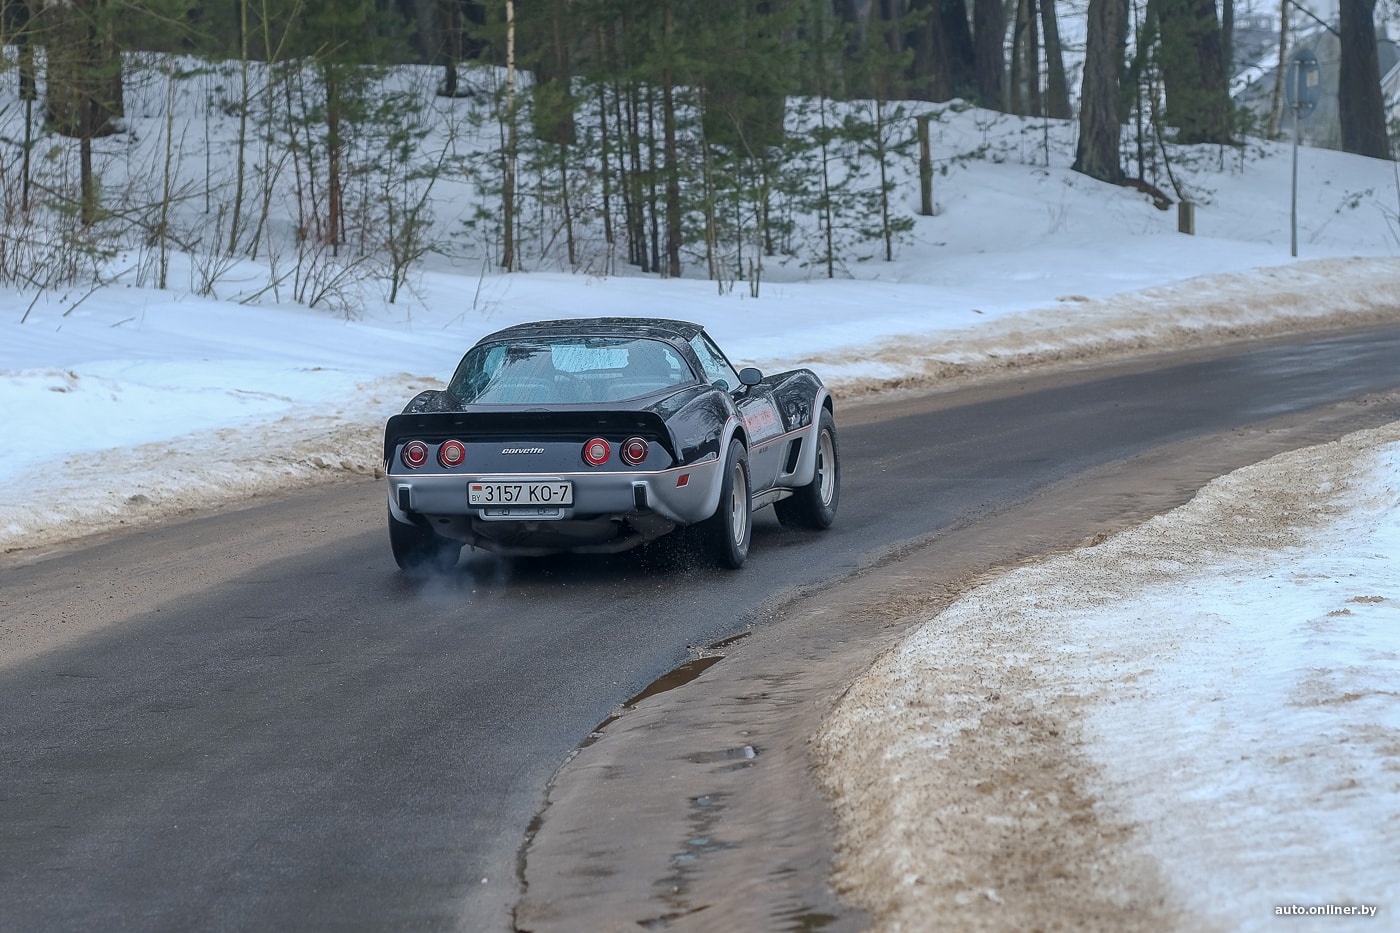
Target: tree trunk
<point>335,143</point>
<point>1227,39</point>
<point>460,20</point>
<point>824,142</point>
<point>87,184</point>
<point>928,70</point>
<point>429,39</point>
<point>1359,84</point>
<point>674,234</point>
<point>17,27</point>
<point>944,64</point>
<point>989,37</point>
<point>1016,89</point>
<point>653,173</point>
<point>1276,106</point>
<point>245,105</point>
<point>16,20</point>
<point>955,46</point>
<point>1097,153</point>
<point>566,206</point>
<point>1029,33</point>
<point>605,157</point>
<point>637,221</point>
<point>508,150</point>
<point>1056,85</point>
<point>623,147</point>
<point>450,20</point>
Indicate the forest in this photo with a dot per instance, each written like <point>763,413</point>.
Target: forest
<point>677,137</point>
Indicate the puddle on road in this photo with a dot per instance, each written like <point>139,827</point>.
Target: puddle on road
<point>671,680</point>
<point>677,678</point>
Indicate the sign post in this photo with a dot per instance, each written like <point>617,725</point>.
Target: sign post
<point>1302,86</point>
<point>925,168</point>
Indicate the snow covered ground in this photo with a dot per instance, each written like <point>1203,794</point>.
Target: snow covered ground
<point>1236,665</point>
<point>1220,691</point>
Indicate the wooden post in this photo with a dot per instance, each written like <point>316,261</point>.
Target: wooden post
<point>1186,217</point>
<point>925,169</point>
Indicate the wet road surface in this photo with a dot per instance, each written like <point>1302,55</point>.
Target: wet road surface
<point>251,720</point>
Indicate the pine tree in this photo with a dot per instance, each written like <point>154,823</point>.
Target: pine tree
<point>346,40</point>
<point>1193,72</point>
<point>878,134</point>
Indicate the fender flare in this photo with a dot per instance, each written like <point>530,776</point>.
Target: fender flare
<point>807,459</point>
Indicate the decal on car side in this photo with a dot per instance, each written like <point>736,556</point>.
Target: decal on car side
<point>762,422</point>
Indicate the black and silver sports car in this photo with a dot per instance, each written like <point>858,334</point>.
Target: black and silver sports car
<point>598,435</point>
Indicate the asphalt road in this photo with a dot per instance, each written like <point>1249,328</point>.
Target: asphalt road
<point>251,720</point>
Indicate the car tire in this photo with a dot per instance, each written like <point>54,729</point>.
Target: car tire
<point>727,533</point>
<point>418,548</point>
<point>814,505</point>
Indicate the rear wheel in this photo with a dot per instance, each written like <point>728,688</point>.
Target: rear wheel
<point>726,534</point>
<point>814,505</point>
<point>418,548</point>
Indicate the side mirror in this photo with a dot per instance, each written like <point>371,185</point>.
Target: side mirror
<point>750,376</point>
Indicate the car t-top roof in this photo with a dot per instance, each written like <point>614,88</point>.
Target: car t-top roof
<point>650,327</point>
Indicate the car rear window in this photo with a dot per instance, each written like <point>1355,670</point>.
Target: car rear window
<point>574,370</point>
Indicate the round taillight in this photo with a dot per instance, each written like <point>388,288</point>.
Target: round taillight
<point>415,454</point>
<point>634,450</point>
<point>597,451</point>
<point>452,453</point>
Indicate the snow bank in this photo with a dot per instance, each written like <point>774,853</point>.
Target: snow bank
<point>1194,720</point>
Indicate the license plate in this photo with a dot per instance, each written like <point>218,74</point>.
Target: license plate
<point>520,493</point>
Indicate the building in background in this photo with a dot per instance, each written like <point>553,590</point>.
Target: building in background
<point>1252,88</point>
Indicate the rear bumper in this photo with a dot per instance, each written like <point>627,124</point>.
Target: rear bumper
<point>605,505</point>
